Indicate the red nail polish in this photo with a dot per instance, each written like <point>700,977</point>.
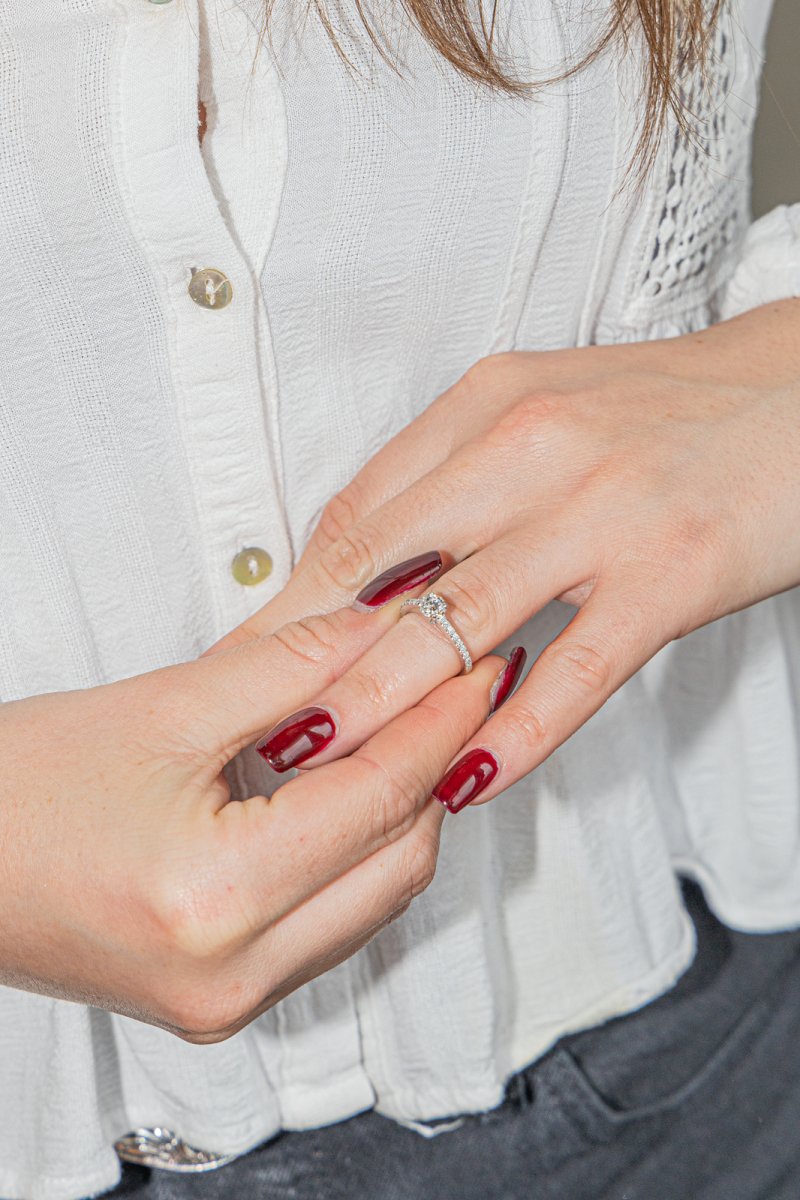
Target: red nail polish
<point>406,576</point>
<point>466,779</point>
<point>507,679</point>
<point>297,738</point>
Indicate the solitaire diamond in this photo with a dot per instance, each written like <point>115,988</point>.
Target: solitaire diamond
<point>432,606</point>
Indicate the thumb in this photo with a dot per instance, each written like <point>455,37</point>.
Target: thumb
<point>234,695</point>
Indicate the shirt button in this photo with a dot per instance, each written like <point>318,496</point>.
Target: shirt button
<point>159,1</point>
<point>251,565</point>
<point>209,287</point>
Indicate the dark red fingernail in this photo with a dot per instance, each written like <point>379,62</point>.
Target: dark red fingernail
<point>466,779</point>
<point>506,681</point>
<point>406,576</point>
<point>297,738</point>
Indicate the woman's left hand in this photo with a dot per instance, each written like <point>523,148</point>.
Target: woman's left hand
<point>654,486</point>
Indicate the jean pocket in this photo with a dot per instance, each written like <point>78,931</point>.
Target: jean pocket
<point>603,1111</point>
<point>653,1059</point>
<point>599,1102</point>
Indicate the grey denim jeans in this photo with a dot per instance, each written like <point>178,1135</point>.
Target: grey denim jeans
<point>696,1096</point>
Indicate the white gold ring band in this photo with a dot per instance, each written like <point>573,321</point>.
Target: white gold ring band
<point>435,609</point>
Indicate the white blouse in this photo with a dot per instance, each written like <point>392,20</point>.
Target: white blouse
<point>378,235</point>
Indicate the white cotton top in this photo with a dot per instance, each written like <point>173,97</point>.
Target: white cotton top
<point>381,234</point>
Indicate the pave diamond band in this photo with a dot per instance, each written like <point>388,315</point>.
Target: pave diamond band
<point>434,608</point>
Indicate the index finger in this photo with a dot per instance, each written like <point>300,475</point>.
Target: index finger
<point>327,821</point>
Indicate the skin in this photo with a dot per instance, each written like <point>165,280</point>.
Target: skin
<point>130,881</point>
<point>655,487</point>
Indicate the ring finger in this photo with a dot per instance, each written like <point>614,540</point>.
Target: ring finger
<point>489,595</point>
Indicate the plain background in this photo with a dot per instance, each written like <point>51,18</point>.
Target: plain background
<point>777,149</point>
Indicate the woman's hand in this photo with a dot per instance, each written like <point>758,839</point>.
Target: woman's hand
<point>129,880</point>
<point>654,486</point>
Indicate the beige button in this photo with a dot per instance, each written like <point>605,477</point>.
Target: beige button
<point>251,565</point>
<point>210,288</point>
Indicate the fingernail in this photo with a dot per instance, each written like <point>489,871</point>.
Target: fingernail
<point>466,779</point>
<point>506,681</point>
<point>403,578</point>
<point>297,738</point>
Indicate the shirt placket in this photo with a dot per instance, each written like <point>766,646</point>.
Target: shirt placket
<point>221,356</point>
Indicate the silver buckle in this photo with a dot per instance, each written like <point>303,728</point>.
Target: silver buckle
<point>161,1148</point>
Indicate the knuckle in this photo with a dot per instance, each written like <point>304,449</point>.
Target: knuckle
<point>535,419</point>
<point>370,690</point>
<point>418,867</point>
<point>188,929</point>
<point>190,909</point>
<point>536,426</point>
<point>473,598</point>
<point>491,371</point>
<point>583,666</point>
<point>395,798</point>
<point>309,640</point>
<point>527,726</point>
<point>477,373</point>
<point>197,998</point>
<point>338,515</point>
<point>203,1014</point>
<point>349,562</point>
<point>437,714</point>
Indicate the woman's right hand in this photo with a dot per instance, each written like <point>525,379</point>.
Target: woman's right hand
<point>128,878</point>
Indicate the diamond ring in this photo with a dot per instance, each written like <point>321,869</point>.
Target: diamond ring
<point>435,609</point>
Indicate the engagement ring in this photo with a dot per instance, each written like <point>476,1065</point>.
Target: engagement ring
<point>434,608</point>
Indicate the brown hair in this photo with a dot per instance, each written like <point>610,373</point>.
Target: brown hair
<point>676,36</point>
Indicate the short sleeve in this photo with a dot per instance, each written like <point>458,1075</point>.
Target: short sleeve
<point>769,265</point>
